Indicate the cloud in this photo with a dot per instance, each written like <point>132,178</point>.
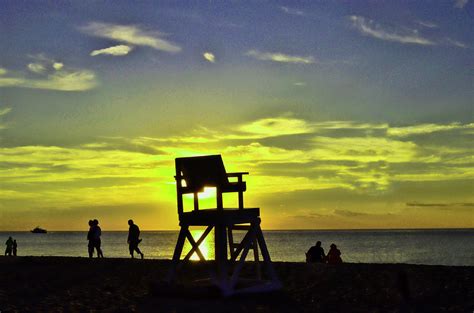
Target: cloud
<point>422,129</point>
<point>52,76</point>
<point>276,127</point>
<point>119,50</point>
<point>291,11</point>
<point>36,68</point>
<point>455,43</point>
<point>345,166</point>
<point>460,3</point>
<point>280,57</point>
<point>58,65</point>
<point>4,111</point>
<point>11,81</point>
<point>370,28</point>
<point>131,35</point>
<point>68,80</point>
<point>427,24</point>
<point>209,57</point>
<point>422,204</point>
<point>300,84</point>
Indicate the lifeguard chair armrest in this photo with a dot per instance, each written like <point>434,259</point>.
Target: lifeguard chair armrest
<point>237,174</point>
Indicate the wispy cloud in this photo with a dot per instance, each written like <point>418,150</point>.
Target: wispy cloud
<point>280,57</point>
<point>130,34</point>
<point>119,50</point>
<point>51,75</point>
<point>424,204</point>
<point>37,68</point>
<point>460,3</point>
<point>427,24</point>
<point>300,84</point>
<point>58,65</point>
<point>209,56</point>
<point>422,129</point>
<point>455,43</point>
<point>370,28</point>
<point>4,111</point>
<point>276,127</point>
<point>292,11</point>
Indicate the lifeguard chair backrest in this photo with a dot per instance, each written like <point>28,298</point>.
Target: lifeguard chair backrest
<point>202,171</point>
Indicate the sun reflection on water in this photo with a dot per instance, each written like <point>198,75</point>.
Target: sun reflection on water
<point>206,247</point>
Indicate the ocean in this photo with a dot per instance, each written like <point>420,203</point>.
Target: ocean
<point>433,247</point>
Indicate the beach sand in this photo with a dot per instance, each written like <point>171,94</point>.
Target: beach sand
<point>62,284</point>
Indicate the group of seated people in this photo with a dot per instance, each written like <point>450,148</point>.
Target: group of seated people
<point>316,254</point>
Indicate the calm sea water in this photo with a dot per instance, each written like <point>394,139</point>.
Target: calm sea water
<point>435,247</point>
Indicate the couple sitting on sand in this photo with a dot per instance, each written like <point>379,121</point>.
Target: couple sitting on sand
<point>94,239</point>
<point>316,254</point>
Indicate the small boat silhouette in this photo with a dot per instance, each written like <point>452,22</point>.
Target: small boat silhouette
<point>39,230</point>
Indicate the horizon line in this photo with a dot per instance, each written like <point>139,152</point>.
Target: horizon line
<point>294,229</point>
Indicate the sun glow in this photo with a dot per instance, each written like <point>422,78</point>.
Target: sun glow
<point>209,192</point>
<point>206,246</point>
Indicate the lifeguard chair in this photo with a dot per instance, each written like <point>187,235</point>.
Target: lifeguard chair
<point>193,174</point>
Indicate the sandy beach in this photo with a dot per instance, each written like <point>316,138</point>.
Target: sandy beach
<point>61,284</point>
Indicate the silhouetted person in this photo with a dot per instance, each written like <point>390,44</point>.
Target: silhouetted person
<point>9,244</point>
<point>90,239</point>
<point>14,247</point>
<point>134,239</point>
<point>316,254</point>
<point>334,255</point>
<point>96,233</point>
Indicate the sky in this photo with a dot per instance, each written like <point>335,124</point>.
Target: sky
<point>347,114</point>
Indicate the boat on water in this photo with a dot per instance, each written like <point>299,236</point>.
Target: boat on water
<point>38,230</point>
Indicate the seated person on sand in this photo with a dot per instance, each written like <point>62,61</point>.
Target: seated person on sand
<point>316,254</point>
<point>334,255</point>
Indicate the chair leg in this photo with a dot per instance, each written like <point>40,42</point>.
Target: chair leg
<point>266,256</point>
<point>177,252</point>
<point>221,255</point>
<point>245,245</point>
<point>256,258</point>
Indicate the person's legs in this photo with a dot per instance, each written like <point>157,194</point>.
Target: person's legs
<point>139,252</point>
<point>131,248</point>
<point>90,249</point>
<point>99,250</point>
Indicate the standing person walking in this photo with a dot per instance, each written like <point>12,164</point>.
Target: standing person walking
<point>9,244</point>
<point>134,239</point>
<point>90,239</point>
<point>96,233</point>
<point>15,247</point>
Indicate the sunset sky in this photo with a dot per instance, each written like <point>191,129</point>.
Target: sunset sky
<point>347,114</point>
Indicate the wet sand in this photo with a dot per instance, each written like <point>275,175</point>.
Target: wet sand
<point>61,284</point>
